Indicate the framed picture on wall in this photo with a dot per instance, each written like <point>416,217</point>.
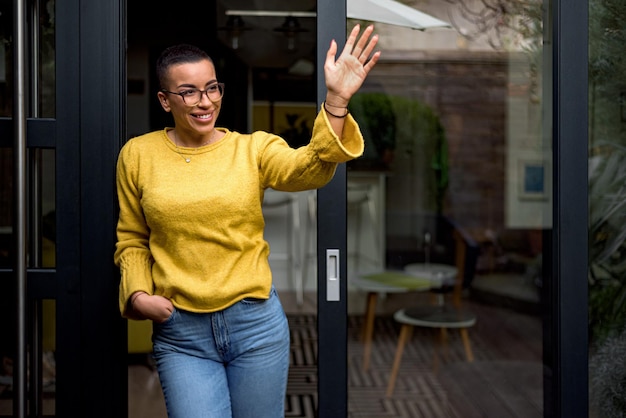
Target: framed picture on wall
<point>293,121</point>
<point>532,180</point>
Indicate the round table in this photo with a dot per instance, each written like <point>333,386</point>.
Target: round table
<point>438,274</point>
<point>414,278</point>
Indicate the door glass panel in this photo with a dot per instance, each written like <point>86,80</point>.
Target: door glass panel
<point>40,210</point>
<point>42,85</point>
<point>7,285</point>
<point>607,137</point>
<point>6,58</point>
<point>45,66</point>
<point>6,207</point>
<point>447,212</point>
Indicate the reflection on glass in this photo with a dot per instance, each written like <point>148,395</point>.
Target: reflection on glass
<point>42,81</point>
<point>46,69</point>
<point>6,58</point>
<point>458,159</point>
<point>6,206</point>
<point>41,208</point>
<point>607,197</point>
<point>48,360</point>
<point>47,202</point>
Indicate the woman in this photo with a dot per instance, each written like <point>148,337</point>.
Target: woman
<point>190,232</point>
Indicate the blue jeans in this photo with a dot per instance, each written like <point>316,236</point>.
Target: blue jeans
<point>232,363</point>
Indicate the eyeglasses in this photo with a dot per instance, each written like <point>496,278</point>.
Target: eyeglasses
<point>192,97</point>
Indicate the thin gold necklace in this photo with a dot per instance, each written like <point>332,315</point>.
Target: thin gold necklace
<point>188,158</point>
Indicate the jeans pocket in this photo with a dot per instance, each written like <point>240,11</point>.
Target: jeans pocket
<point>169,319</point>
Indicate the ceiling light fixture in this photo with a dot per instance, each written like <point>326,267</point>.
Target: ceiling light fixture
<point>270,13</point>
<point>234,27</point>
<point>290,28</point>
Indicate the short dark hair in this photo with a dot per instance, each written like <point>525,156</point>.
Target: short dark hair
<point>177,54</point>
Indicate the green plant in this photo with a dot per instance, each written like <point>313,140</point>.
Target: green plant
<point>607,170</point>
<point>607,241</point>
<point>390,122</point>
<point>607,380</point>
<point>377,121</point>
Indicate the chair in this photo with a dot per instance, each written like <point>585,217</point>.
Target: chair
<point>360,198</point>
<point>384,282</point>
<point>287,201</point>
<point>442,316</point>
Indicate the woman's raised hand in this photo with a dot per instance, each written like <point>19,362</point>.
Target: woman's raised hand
<point>345,75</point>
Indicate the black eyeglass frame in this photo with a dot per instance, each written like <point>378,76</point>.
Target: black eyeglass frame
<point>221,86</point>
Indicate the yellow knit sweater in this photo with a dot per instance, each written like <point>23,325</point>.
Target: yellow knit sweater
<point>193,232</point>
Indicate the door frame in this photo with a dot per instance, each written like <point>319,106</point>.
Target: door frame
<point>565,336</point>
<point>91,354</point>
<point>88,131</point>
<point>332,316</point>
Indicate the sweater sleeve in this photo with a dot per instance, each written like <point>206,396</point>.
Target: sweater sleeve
<point>132,254</point>
<point>311,166</point>
<point>329,147</point>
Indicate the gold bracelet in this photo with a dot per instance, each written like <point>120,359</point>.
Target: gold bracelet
<point>332,114</point>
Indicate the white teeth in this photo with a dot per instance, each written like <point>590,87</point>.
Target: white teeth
<point>202,116</point>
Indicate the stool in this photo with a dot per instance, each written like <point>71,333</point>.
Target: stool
<point>274,199</point>
<point>384,282</point>
<point>442,317</point>
<point>310,235</point>
<point>359,196</point>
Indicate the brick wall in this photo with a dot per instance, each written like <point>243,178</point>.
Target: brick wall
<point>468,91</point>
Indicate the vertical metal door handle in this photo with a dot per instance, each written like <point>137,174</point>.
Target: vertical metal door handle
<point>332,275</point>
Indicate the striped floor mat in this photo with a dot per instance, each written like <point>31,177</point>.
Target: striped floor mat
<point>418,392</point>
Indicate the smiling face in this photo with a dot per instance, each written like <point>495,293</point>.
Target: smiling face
<point>195,123</point>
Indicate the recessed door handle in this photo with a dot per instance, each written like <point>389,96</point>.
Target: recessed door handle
<point>332,275</point>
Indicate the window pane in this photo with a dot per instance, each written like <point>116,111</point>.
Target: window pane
<point>6,58</point>
<point>42,83</point>
<point>46,69</point>
<point>607,222</point>
<point>458,188</point>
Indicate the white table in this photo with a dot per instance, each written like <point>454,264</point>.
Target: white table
<point>419,277</point>
<point>439,274</point>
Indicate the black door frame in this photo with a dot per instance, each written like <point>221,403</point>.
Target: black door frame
<point>332,366</point>
<point>565,330</point>
<point>91,108</point>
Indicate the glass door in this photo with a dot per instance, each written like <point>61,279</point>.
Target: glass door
<point>450,215</point>
<point>27,208</point>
